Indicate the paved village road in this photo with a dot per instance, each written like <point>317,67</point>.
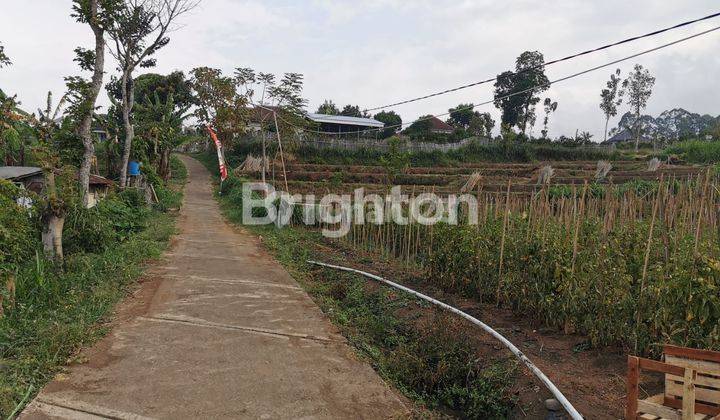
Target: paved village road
<point>218,329</point>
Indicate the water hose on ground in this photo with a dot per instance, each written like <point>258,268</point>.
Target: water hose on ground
<point>574,414</point>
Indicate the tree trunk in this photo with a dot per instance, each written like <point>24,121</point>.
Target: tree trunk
<point>164,167</point>
<point>637,130</point>
<point>128,100</point>
<point>607,121</point>
<point>53,219</point>
<point>52,237</point>
<point>84,128</point>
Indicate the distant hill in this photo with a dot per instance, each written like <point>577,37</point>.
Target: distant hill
<point>674,124</point>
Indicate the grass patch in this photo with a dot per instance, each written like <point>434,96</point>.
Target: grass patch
<point>428,355</point>
<point>56,313</point>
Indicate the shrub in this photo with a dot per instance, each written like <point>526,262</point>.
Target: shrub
<point>696,151</point>
<point>113,220</point>
<point>442,367</point>
<point>18,232</point>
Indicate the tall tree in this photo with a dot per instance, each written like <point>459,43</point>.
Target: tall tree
<point>517,93</point>
<point>219,104</point>
<point>328,108</point>
<point>139,31</point>
<point>174,84</point>
<point>549,106</point>
<point>99,15</point>
<point>611,98</point>
<point>639,85</point>
<point>481,124</point>
<point>392,122</point>
<point>421,127</point>
<point>284,96</point>
<point>8,117</point>
<point>351,111</point>
<point>461,115</point>
<point>160,121</point>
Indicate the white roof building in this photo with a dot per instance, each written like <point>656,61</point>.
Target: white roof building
<point>342,123</point>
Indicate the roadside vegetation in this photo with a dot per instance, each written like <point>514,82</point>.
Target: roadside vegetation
<point>50,310</point>
<point>76,229</point>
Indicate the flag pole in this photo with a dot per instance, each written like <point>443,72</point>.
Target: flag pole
<point>220,156</point>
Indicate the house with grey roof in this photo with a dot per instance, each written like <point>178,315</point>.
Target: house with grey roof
<point>626,136</point>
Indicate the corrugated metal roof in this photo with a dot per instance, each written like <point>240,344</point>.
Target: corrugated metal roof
<point>13,172</point>
<point>99,180</point>
<point>19,172</point>
<point>341,119</point>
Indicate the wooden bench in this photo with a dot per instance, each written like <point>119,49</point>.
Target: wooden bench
<point>692,386</point>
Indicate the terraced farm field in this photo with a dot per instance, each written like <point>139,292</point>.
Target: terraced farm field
<point>523,177</point>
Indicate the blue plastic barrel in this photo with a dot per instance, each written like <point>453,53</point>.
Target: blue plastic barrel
<point>134,168</point>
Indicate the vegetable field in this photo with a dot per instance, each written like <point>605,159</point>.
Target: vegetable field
<point>624,253</point>
<point>318,178</point>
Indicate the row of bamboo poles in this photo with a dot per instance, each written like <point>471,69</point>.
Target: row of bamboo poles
<point>683,206</point>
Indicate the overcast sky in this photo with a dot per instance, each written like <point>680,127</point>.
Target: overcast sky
<point>376,52</point>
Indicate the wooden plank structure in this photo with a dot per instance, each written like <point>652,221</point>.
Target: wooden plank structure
<point>692,386</point>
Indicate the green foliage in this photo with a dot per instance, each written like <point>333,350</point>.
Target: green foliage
<point>472,152</point>
<point>113,220</point>
<point>351,111</point>
<point>441,367</point>
<point>174,84</point>
<point>524,84</point>
<point>395,161</point>
<point>18,230</point>
<point>461,115</point>
<point>219,103</point>
<point>392,122</point>
<point>58,312</point>
<point>678,304</point>
<point>696,151</point>
<point>4,59</point>
<point>328,108</point>
<point>170,193</point>
<point>638,85</point>
<point>420,129</point>
<point>611,98</point>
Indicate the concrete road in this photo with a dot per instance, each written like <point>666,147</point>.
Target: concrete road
<point>218,329</point>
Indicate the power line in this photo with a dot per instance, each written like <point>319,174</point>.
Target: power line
<point>562,79</point>
<point>551,62</point>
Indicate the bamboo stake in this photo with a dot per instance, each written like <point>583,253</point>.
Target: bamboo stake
<point>645,263</point>
<point>502,243</point>
<point>700,213</point>
<point>577,228</point>
<point>282,159</point>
